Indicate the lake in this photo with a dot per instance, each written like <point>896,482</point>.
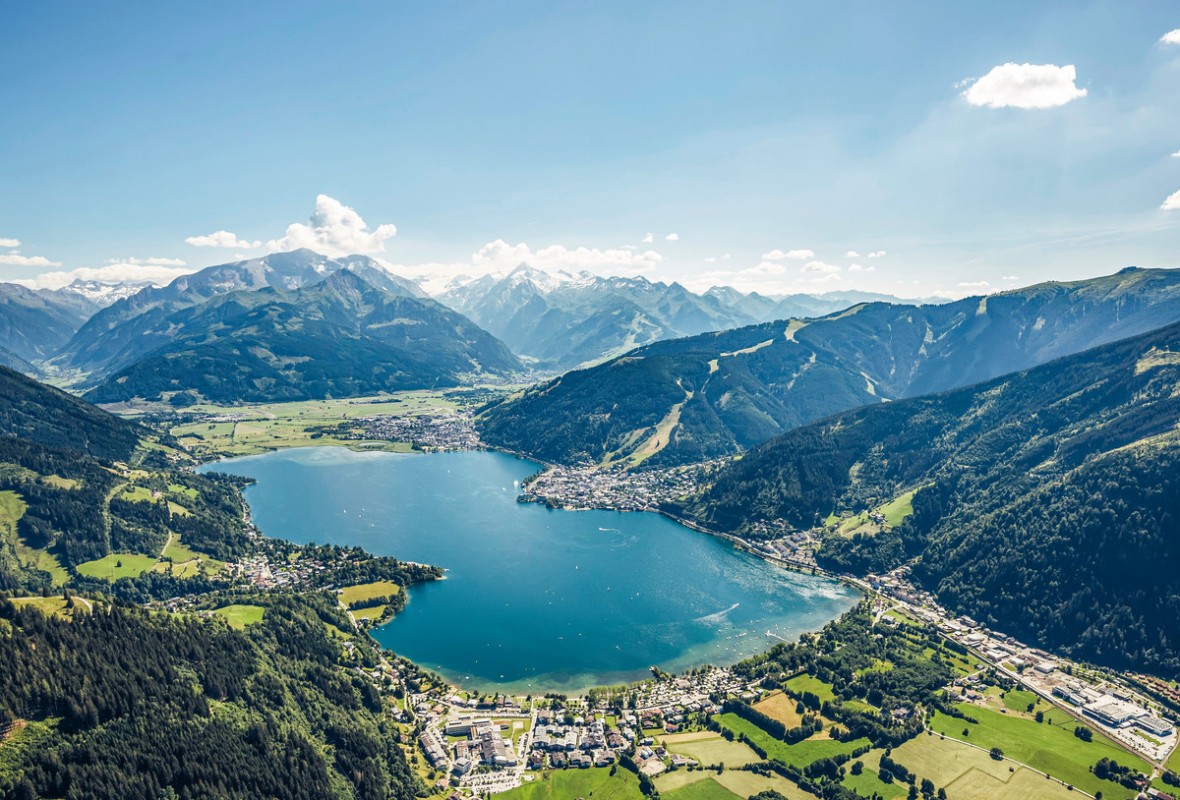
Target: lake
<point>534,599</point>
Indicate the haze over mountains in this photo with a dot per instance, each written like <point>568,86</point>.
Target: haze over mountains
<point>689,399</point>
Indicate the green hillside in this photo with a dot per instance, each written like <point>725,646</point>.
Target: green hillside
<point>1046,500</point>
<point>731,390</point>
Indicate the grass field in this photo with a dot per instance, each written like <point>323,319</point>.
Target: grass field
<point>781,707</point>
<point>800,754</point>
<point>239,616</point>
<point>1051,748</point>
<point>745,784</point>
<point>868,784</point>
<point>706,789</point>
<point>569,784</point>
<point>137,494</point>
<point>269,426</point>
<point>116,565</point>
<point>351,595</point>
<point>806,683</point>
<point>12,508</point>
<point>372,612</point>
<point>54,606</point>
<point>709,749</point>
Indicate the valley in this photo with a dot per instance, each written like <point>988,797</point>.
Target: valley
<point>583,635</point>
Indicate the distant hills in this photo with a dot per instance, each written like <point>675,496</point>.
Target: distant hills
<point>557,321</point>
<point>36,323</point>
<point>1044,502</point>
<point>690,399</point>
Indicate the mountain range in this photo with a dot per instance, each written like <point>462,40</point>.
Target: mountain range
<point>557,321</point>
<point>1044,502</point>
<point>714,394</point>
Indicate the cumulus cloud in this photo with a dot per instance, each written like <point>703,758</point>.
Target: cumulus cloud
<point>878,254</point>
<point>221,239</point>
<point>1025,86</point>
<point>672,237</point>
<point>1172,203</point>
<point>9,242</point>
<point>1174,155</point>
<point>974,284</point>
<point>1171,37</point>
<point>648,238</point>
<point>1010,278</point>
<point>852,254</point>
<point>795,255</point>
<point>500,255</point>
<point>334,229</point>
<point>859,268</point>
<point>820,266</point>
<point>14,258</point>
<point>715,259</point>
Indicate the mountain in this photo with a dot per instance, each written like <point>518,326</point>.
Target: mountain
<point>36,323</point>
<point>691,399</point>
<point>1044,502</point>
<point>339,337</point>
<point>131,327</point>
<point>102,293</point>
<point>560,320</point>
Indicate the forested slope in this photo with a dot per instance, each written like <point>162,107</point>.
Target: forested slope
<point>1047,501</point>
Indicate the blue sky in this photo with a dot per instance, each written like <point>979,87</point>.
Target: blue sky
<point>564,133</point>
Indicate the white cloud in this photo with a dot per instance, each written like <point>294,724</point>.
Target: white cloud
<point>221,239</point>
<point>878,254</point>
<point>15,259</point>
<point>820,266</point>
<point>1171,37</point>
<point>1010,278</point>
<point>151,261</point>
<point>974,284</point>
<point>859,268</point>
<point>715,259</point>
<point>647,238</point>
<point>9,242</point>
<point>1025,86</point>
<point>852,254</point>
<point>500,255</point>
<point>796,255</point>
<point>1172,203</point>
<point>672,237</point>
<point>334,229</point>
<point>1174,155</point>
<point>118,272</point>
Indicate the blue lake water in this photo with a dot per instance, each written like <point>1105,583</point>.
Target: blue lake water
<point>534,599</point>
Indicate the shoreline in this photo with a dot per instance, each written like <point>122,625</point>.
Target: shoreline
<point>735,541</point>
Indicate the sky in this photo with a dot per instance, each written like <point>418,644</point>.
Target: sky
<point>912,148</point>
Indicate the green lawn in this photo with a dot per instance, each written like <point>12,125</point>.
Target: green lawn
<point>867,783</point>
<point>805,683</point>
<point>351,595</point>
<point>239,616</point>
<point>1020,700</point>
<point>1051,748</point>
<point>116,565</point>
<point>800,754</point>
<point>707,789</point>
<point>572,783</point>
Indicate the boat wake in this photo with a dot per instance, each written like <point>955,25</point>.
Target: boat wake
<point>718,617</point>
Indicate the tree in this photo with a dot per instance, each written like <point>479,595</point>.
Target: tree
<point>996,753</point>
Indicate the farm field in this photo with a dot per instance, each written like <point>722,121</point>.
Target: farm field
<point>350,595</point>
<point>239,616</point>
<point>780,706</point>
<point>567,784</point>
<point>116,565</point>
<point>800,754</point>
<point>1051,748</point>
<point>251,429</point>
<point>710,748</point>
